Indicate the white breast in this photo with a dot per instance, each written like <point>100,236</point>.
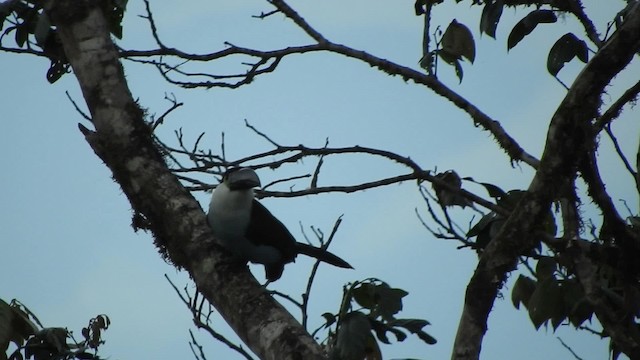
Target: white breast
<point>229,212</point>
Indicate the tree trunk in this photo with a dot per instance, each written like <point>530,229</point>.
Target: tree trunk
<point>123,141</point>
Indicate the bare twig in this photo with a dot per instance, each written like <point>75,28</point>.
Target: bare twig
<point>569,348</point>
<point>269,60</point>
<point>75,105</point>
<point>629,96</point>
<point>307,293</point>
<point>201,323</point>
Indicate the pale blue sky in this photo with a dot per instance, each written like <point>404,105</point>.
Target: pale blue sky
<point>69,252</point>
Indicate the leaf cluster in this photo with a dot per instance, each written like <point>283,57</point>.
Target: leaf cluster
<point>550,299</point>
<point>457,42</point>
<point>20,326</point>
<point>31,26</point>
<point>367,316</point>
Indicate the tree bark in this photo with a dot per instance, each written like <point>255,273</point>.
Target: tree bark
<point>570,137</point>
<point>123,141</point>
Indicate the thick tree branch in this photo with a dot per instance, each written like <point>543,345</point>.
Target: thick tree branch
<point>570,136</point>
<point>124,142</point>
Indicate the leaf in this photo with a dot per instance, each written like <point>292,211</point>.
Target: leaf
<point>56,70</point>
<point>445,196</point>
<point>579,309</point>
<point>546,303</point>
<point>511,199</point>
<point>365,295</point>
<point>426,337</point>
<point>415,327</point>
<point>522,290</point>
<point>459,72</point>
<point>490,17</point>
<point>115,14</point>
<point>353,336</point>
<point>564,50</point>
<point>41,31</point>
<point>22,33</point>
<point>545,268</point>
<point>457,42</point>
<point>103,321</point>
<point>525,26</point>
<point>329,318</point>
<point>483,224</point>
<point>381,330</point>
<point>493,190</point>
<point>6,328</point>
<point>84,355</point>
<point>390,301</point>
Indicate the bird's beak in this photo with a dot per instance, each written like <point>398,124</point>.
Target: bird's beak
<point>244,178</point>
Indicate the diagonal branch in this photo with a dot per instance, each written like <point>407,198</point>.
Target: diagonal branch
<point>269,60</point>
<point>570,137</point>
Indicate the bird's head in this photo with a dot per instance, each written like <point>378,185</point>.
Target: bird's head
<point>241,178</point>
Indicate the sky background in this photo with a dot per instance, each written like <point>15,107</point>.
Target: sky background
<point>69,252</point>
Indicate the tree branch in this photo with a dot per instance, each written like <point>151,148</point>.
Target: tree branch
<point>570,137</point>
<point>268,61</point>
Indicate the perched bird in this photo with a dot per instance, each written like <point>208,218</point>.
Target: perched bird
<point>251,232</point>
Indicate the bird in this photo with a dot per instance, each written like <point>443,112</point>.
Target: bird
<point>250,232</point>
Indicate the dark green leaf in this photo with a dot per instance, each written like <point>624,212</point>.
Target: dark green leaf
<point>579,309</point>
<point>365,295</point>
<point>546,303</point>
<point>103,321</point>
<point>22,34</point>
<point>400,336</point>
<point>459,72</point>
<point>353,336</point>
<point>41,31</point>
<point>580,312</point>
<point>56,337</point>
<point>545,268</point>
<point>490,17</point>
<point>415,327</point>
<point>84,355</point>
<point>525,26</point>
<point>426,337</point>
<point>445,196</point>
<point>457,42</point>
<point>511,199</point>
<point>115,14</point>
<point>390,301</point>
<point>493,190</point>
<point>564,50</point>
<point>6,328</point>
<point>482,225</point>
<point>522,291</point>
<point>410,324</point>
<point>329,318</point>
<point>56,70</point>
<point>381,331</point>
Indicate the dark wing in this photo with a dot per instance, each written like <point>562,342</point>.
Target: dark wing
<point>266,229</point>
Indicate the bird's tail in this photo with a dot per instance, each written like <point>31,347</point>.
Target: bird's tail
<point>322,255</point>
